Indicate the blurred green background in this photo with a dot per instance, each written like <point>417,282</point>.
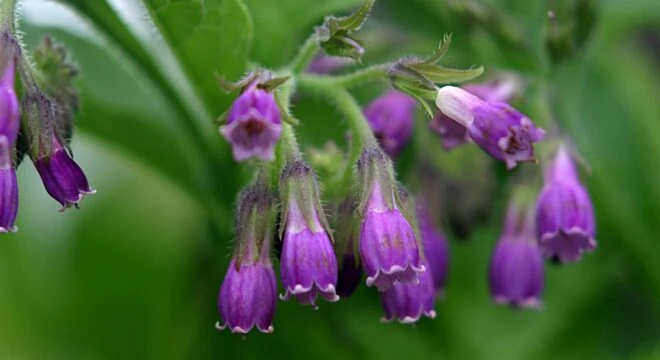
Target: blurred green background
<point>134,274</point>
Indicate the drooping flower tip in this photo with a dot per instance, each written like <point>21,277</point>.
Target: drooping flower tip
<point>565,221</point>
<point>308,263</point>
<point>499,129</point>
<point>254,124</point>
<point>391,117</point>
<point>516,267</point>
<point>63,179</point>
<point>8,200</point>
<point>407,303</point>
<point>247,297</point>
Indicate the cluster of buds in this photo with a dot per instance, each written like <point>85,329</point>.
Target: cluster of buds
<point>39,125</point>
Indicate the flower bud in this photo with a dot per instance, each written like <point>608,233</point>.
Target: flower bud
<point>516,267</point>
<point>499,129</point>
<point>436,250</point>
<point>565,223</point>
<point>254,124</point>
<point>408,302</point>
<point>391,118</point>
<point>308,263</point>
<point>249,291</point>
<point>388,245</point>
<point>63,179</point>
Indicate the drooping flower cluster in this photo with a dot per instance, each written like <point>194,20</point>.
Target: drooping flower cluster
<point>47,124</point>
<point>378,229</point>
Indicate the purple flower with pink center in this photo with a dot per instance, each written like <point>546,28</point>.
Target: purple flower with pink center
<point>254,124</point>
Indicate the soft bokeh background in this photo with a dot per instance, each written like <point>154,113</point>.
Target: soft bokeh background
<point>134,274</point>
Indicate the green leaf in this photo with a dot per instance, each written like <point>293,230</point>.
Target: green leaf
<point>207,37</point>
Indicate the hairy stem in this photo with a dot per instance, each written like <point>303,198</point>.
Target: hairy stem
<point>305,55</point>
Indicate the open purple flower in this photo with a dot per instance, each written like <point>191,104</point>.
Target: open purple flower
<point>308,263</point>
<point>63,179</point>
<point>248,293</point>
<point>516,267</point>
<point>436,250</point>
<point>565,223</point>
<point>254,124</point>
<point>499,129</point>
<point>409,302</point>
<point>388,246</point>
<point>391,118</point>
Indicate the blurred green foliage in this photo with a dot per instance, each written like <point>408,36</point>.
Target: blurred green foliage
<point>134,274</point>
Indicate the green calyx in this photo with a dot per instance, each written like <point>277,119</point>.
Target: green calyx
<point>334,36</point>
<point>375,169</point>
<point>255,218</point>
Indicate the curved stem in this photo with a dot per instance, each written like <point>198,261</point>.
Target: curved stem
<point>372,73</point>
<point>305,55</point>
<point>362,136</point>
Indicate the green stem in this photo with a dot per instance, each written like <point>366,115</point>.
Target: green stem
<point>305,55</point>
<point>372,73</point>
<point>7,12</point>
<point>362,136</point>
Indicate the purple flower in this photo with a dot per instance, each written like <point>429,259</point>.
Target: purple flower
<point>388,247</point>
<point>248,295</point>
<point>9,108</point>
<point>9,124</point>
<point>308,264</point>
<point>62,177</point>
<point>254,124</point>
<point>391,118</point>
<point>499,129</point>
<point>408,302</point>
<point>454,134</point>
<point>436,250</point>
<point>516,267</point>
<point>565,223</point>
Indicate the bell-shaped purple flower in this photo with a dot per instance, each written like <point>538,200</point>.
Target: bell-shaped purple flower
<point>454,134</point>
<point>388,246</point>
<point>436,250</point>
<point>499,129</point>
<point>391,118</point>
<point>248,296</point>
<point>308,263</point>
<point>409,302</point>
<point>565,224</point>
<point>63,179</point>
<point>254,124</point>
<point>516,267</point>
<point>249,291</point>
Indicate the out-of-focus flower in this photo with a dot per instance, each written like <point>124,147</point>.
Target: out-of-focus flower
<point>409,302</point>
<point>565,223</point>
<point>436,250</point>
<point>391,117</point>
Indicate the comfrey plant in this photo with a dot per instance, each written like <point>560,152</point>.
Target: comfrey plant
<point>38,101</point>
<point>378,229</point>
<point>378,235</point>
